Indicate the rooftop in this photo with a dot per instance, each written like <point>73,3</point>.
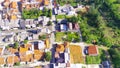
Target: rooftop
<point>92,50</point>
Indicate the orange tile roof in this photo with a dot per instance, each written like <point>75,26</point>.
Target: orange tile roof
<point>1,50</point>
<point>13,17</point>
<point>27,45</point>
<point>46,2</point>
<point>38,54</point>
<point>10,60</point>
<point>39,1</point>
<point>92,50</point>
<point>60,48</point>
<point>14,5</point>
<point>12,50</point>
<point>16,59</point>
<point>26,58</point>
<point>47,43</point>
<point>23,58</point>
<point>29,58</point>
<point>2,60</point>
<point>23,50</point>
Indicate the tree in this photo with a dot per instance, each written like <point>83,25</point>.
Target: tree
<point>17,64</point>
<point>50,13</point>
<point>41,37</point>
<point>16,45</point>
<point>48,56</point>
<point>25,41</point>
<point>49,23</point>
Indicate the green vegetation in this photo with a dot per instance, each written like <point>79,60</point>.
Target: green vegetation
<point>67,36</point>
<point>25,41</point>
<point>94,27</point>
<point>17,64</point>
<point>35,13</point>
<point>63,2</point>
<point>49,23</point>
<point>16,45</point>
<point>42,37</point>
<point>48,56</point>
<point>7,46</point>
<point>60,16</point>
<point>115,55</point>
<point>96,59</point>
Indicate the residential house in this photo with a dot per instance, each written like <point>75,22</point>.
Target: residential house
<point>63,27</point>
<point>46,2</point>
<point>2,48</point>
<point>29,23</point>
<point>38,55</point>
<point>2,61</point>
<point>13,50</point>
<point>60,48</point>
<point>22,24</point>
<point>9,38</point>
<point>92,50</point>
<point>11,60</point>
<point>40,45</point>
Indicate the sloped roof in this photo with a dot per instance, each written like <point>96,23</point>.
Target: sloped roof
<point>2,60</point>
<point>46,2</point>
<point>23,50</point>
<point>14,4</point>
<point>60,48</point>
<point>1,50</point>
<point>92,50</point>
<point>12,59</point>
<point>27,45</point>
<point>38,54</point>
<point>12,50</point>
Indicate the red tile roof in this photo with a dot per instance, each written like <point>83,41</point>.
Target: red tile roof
<point>92,50</point>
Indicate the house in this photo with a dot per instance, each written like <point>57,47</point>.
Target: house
<point>2,50</point>
<point>11,60</point>
<point>92,50</point>
<point>70,26</point>
<point>60,48</point>
<point>2,61</point>
<point>13,50</point>
<point>22,24</point>
<point>40,45</point>
<point>13,5</point>
<point>38,55</point>
<point>63,27</point>
<point>9,38</point>
<point>46,2</point>
<point>22,50</point>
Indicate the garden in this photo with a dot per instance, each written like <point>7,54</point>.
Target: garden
<point>67,36</point>
<point>96,59</point>
<point>35,13</point>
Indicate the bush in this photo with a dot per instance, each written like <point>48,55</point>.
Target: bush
<point>17,64</point>
<point>48,56</point>
<point>25,41</point>
<point>42,37</point>
<point>16,45</point>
